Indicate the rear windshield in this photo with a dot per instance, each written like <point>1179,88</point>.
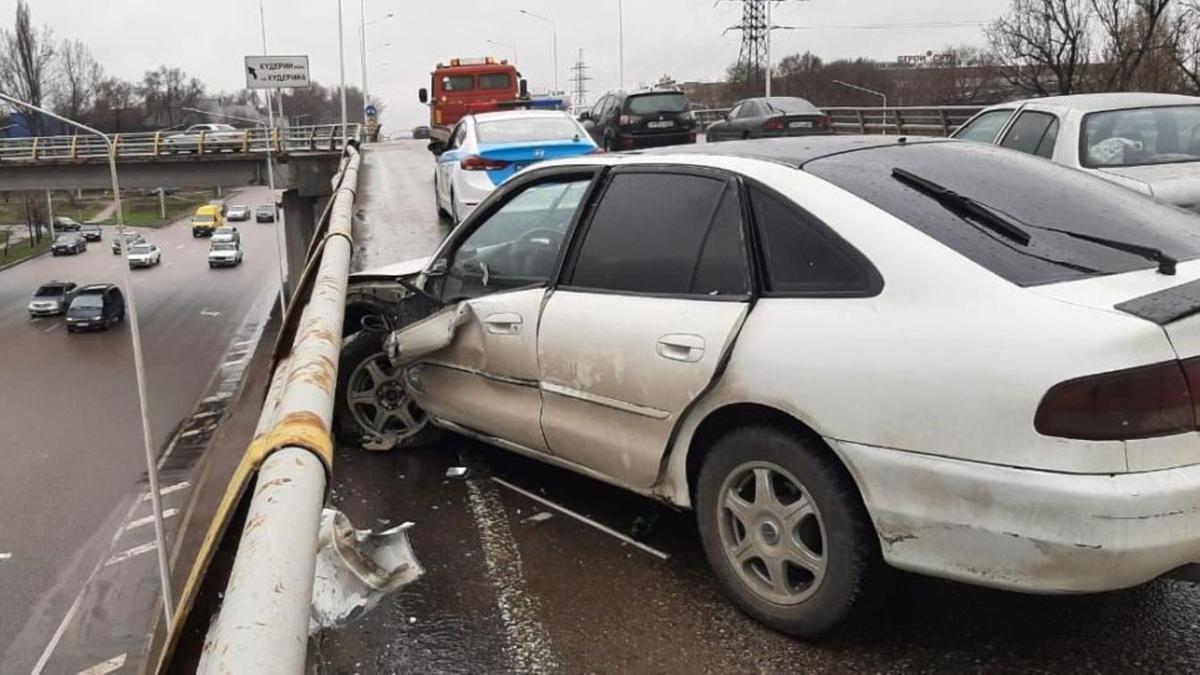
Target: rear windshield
<point>527,130</point>
<point>49,291</point>
<point>1141,136</point>
<point>494,81</point>
<point>646,104</point>
<point>1030,190</point>
<point>791,105</point>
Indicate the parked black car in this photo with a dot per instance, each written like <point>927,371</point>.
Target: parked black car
<point>770,118</point>
<point>91,232</point>
<point>96,306</point>
<point>68,244</point>
<point>265,213</point>
<point>131,238</point>
<point>51,299</point>
<point>64,224</point>
<point>644,119</point>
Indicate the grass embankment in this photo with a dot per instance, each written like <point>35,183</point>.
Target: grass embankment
<point>12,206</point>
<point>143,211</point>
<point>22,249</point>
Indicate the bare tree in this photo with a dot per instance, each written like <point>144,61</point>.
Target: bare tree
<point>26,62</point>
<point>79,78</point>
<point>1132,29</point>
<point>1044,46</point>
<point>165,92</point>
<point>1183,36</point>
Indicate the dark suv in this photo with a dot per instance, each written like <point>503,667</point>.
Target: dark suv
<point>645,119</point>
<point>68,244</point>
<point>96,306</point>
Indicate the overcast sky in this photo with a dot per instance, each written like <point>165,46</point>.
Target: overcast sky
<point>682,38</point>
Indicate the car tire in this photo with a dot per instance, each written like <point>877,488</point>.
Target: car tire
<point>357,350</point>
<point>847,564</point>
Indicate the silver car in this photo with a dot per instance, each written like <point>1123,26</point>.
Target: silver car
<point>1147,142</point>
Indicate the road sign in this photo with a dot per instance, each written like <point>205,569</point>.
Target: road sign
<point>371,111</point>
<point>277,72</point>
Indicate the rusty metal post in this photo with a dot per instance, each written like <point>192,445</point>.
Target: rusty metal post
<point>263,624</point>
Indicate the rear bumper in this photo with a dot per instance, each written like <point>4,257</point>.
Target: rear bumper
<point>1026,530</point>
<point>213,262</point>
<point>637,141</point>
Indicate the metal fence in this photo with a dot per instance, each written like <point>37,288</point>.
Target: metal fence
<point>906,120</point>
<point>257,140</point>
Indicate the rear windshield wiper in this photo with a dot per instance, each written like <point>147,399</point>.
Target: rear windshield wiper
<point>1009,228</point>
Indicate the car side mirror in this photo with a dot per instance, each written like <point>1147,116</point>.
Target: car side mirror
<point>437,268</point>
<point>436,147</point>
<point>523,88</point>
<point>423,95</point>
<point>585,116</point>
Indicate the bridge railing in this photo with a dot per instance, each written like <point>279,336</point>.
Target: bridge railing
<point>150,144</point>
<point>902,120</point>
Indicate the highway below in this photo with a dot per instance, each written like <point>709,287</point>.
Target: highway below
<point>70,434</point>
<point>520,578</point>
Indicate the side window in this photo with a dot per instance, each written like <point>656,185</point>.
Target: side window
<point>736,111</point>
<point>663,233</point>
<point>803,256</point>
<point>983,128</point>
<point>1025,135</point>
<point>517,245</point>
<point>1049,139</point>
<point>456,138</point>
<point>749,109</point>
<point>599,107</point>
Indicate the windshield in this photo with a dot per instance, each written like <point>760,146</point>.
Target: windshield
<point>1031,192</point>
<point>87,301</point>
<point>646,104</point>
<point>202,219</point>
<point>49,291</point>
<point>791,105</point>
<point>140,248</point>
<point>527,130</point>
<point>1141,136</point>
<point>65,239</point>
<point>494,81</point>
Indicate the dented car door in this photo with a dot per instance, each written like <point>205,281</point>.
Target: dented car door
<point>647,311</point>
<point>496,277</point>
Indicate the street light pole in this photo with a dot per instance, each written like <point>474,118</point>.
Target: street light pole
<point>362,43</point>
<point>768,73</point>
<point>342,73</point>
<point>164,569</point>
<point>554,31</point>
<point>621,41</point>
<point>873,93</point>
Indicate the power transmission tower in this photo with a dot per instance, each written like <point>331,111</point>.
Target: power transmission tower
<point>754,58</point>
<point>579,78</point>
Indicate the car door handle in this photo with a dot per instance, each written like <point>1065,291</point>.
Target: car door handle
<point>680,347</point>
<point>504,323</point>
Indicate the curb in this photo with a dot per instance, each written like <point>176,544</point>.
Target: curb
<point>25,259</point>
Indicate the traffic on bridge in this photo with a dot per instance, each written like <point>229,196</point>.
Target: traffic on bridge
<point>763,336</point>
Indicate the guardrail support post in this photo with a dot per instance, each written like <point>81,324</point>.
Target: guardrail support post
<point>945,121</point>
<point>899,121</point>
<point>862,121</point>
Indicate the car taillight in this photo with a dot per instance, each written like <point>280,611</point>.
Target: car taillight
<point>1143,402</point>
<point>477,163</point>
<point>824,122</point>
<point>627,120</point>
<point>773,124</point>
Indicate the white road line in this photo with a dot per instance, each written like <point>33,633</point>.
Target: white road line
<point>528,647</point>
<point>111,665</point>
<point>5,556</point>
<point>127,554</point>
<point>52,327</point>
<point>179,246</point>
<point>583,519</point>
<point>168,490</point>
<point>141,522</point>
<point>207,312</point>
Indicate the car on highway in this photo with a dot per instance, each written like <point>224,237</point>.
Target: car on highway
<point>238,212</point>
<point>265,213</point>
<point>200,137</point>
<point>769,117</point>
<point>841,352</point>
<point>68,244</point>
<point>644,119</point>
<point>51,299</point>
<point>488,148</point>
<point>224,254</point>
<point>131,238</point>
<point>420,132</point>
<point>91,232</point>
<point>65,224</point>
<point>95,306</point>
<point>144,254</point>
<point>227,233</point>
<point>1144,141</point>
<point>207,219</point>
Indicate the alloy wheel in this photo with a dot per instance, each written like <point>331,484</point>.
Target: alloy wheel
<point>379,403</point>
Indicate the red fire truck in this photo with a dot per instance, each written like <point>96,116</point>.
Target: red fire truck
<point>466,86</point>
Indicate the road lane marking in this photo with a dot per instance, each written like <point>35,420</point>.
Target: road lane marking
<point>583,519</point>
<point>141,522</point>
<point>168,490</point>
<point>106,667</point>
<point>52,327</point>
<point>5,556</point>
<point>207,312</point>
<point>179,247</point>
<point>127,554</point>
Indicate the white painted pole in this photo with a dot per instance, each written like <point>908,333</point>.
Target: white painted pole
<point>362,43</point>
<point>50,207</point>
<point>621,41</point>
<point>342,74</point>
<point>271,177</point>
<point>768,91</point>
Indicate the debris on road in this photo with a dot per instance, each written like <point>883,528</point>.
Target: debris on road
<point>456,472</point>
<point>540,516</point>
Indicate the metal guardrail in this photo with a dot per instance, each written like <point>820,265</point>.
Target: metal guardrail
<point>152,144</point>
<point>904,120</point>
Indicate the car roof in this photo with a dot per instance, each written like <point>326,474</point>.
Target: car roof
<point>793,152</point>
<point>1108,101</point>
<point>519,114</point>
<point>96,288</point>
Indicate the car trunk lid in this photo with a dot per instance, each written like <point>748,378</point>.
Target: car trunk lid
<point>1176,183</point>
<point>517,156</point>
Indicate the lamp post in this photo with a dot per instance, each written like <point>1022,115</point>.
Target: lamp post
<point>362,45</point>
<point>270,186</point>
<point>873,93</point>
<point>164,570</point>
<point>554,30</point>
<point>621,41</point>
<point>342,73</point>
<point>508,47</point>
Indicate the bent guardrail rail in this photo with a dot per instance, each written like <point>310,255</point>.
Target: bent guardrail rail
<point>161,144</point>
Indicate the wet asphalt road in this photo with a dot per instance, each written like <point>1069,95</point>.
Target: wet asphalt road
<point>509,589</point>
<point>71,436</point>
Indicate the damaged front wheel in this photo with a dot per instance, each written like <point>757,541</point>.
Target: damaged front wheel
<point>373,408</point>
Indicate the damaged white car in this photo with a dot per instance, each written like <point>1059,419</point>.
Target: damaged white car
<point>841,352</point>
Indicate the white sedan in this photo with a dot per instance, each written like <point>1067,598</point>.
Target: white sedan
<point>1147,142</point>
<point>224,254</point>
<point>486,149</point>
<point>842,352</point>
<point>144,255</point>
